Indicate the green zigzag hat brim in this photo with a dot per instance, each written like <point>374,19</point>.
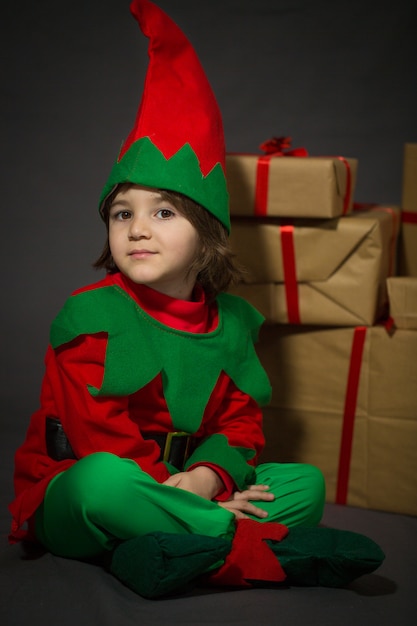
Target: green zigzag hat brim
<point>144,164</point>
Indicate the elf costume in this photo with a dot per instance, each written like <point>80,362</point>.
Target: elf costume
<point>139,386</point>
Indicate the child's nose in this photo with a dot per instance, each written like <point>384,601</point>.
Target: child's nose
<point>139,227</point>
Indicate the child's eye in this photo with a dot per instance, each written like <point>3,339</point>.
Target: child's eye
<point>121,215</point>
<point>165,214</point>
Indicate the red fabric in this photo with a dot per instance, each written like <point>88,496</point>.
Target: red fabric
<point>178,105</point>
<point>349,413</point>
<point>194,316</point>
<point>250,557</point>
<point>114,424</point>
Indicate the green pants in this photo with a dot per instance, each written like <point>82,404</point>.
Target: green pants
<point>103,499</point>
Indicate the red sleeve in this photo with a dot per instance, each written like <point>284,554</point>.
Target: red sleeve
<point>237,416</point>
<point>228,483</point>
<point>91,424</point>
<point>98,423</point>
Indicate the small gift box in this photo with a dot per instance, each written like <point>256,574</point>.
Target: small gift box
<point>289,183</point>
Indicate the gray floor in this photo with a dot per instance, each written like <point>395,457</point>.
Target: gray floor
<point>50,590</point>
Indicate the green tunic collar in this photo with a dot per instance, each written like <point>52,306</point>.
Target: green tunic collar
<point>139,348</point>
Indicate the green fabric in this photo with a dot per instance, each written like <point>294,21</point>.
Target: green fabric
<point>216,449</point>
<point>103,499</point>
<point>161,563</point>
<point>326,556</point>
<point>144,164</point>
<point>140,348</point>
<point>299,490</point>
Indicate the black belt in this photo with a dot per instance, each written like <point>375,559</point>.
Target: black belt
<point>58,446</point>
<point>175,448</point>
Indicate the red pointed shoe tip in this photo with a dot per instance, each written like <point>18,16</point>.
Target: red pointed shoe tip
<point>250,557</point>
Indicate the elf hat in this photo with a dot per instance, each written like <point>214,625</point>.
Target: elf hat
<point>177,141</point>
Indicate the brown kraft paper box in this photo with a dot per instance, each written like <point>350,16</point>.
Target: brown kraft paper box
<point>305,422</point>
<point>309,187</point>
<point>402,295</point>
<point>340,267</point>
<point>408,239</point>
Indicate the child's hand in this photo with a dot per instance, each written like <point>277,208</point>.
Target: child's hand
<point>240,503</point>
<point>203,481</point>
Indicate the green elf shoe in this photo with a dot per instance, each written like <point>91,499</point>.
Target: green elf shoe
<point>268,553</point>
<point>327,557</point>
<point>160,563</point>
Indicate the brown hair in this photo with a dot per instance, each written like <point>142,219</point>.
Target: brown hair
<point>215,264</point>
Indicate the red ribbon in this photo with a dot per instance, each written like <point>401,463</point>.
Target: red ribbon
<point>349,413</point>
<point>290,273</point>
<point>364,206</point>
<point>348,192</point>
<point>408,217</point>
<point>389,325</point>
<point>274,147</point>
<point>279,147</point>
<point>262,182</point>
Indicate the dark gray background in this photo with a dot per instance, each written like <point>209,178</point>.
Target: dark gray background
<point>339,77</point>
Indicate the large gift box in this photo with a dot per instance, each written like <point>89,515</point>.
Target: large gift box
<point>408,245</point>
<point>309,187</point>
<point>326,272</point>
<point>402,295</point>
<point>345,400</point>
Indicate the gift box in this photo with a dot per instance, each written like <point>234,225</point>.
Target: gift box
<point>290,186</point>
<point>408,240</point>
<point>327,272</point>
<point>345,400</point>
<point>402,296</point>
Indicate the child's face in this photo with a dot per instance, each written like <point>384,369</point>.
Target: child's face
<point>151,242</point>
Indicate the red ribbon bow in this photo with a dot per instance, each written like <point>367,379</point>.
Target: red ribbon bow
<point>274,147</point>
<point>280,146</point>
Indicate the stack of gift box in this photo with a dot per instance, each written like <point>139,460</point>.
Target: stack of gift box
<point>340,338</point>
